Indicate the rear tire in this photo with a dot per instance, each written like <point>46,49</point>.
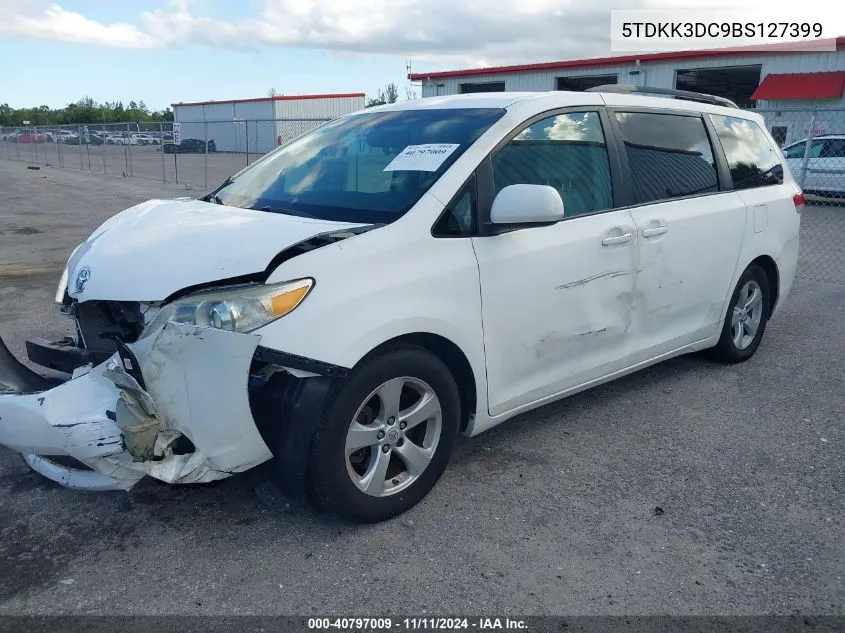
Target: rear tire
<point>746,318</point>
<point>404,447</point>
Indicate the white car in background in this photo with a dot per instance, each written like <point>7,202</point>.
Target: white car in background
<point>825,176</point>
<point>145,139</point>
<point>355,300</point>
<point>123,138</point>
<point>63,135</point>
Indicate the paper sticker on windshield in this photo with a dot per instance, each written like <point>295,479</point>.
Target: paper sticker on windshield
<point>422,157</point>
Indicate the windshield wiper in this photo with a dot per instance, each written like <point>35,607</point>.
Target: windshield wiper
<point>212,196</point>
<point>301,214</point>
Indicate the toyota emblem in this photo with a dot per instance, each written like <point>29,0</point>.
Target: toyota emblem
<point>82,279</point>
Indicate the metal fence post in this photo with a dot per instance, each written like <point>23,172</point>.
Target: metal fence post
<point>803,177</point>
<point>205,139</point>
<point>80,137</point>
<point>129,148</point>
<point>161,145</point>
<point>103,148</point>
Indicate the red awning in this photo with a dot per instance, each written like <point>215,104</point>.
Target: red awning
<point>801,86</point>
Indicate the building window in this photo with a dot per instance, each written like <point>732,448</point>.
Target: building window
<point>490,86</point>
<point>779,134</point>
<point>580,84</point>
<point>669,156</point>
<point>566,152</point>
<point>752,158</point>
<point>736,83</point>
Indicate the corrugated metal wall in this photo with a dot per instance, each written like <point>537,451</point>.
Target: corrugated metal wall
<point>254,126</point>
<point>656,74</point>
<point>233,126</point>
<point>320,108</point>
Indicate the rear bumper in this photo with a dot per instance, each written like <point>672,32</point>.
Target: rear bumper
<point>194,385</point>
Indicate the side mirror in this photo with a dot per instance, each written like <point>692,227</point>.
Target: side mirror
<point>527,204</point>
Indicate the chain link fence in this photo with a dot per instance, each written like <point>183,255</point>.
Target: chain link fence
<point>813,143</point>
<point>204,153</point>
<point>199,154</point>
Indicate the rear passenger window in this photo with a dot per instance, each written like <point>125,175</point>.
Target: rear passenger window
<point>567,152</point>
<point>669,156</point>
<point>751,156</point>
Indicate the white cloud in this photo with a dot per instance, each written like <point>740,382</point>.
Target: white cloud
<point>441,32</point>
<point>56,23</point>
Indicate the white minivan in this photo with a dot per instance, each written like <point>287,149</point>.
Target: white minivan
<point>356,299</point>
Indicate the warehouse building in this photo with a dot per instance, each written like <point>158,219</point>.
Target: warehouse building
<point>258,125</point>
<point>787,84</point>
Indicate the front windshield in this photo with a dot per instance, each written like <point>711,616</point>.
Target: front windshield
<point>370,167</point>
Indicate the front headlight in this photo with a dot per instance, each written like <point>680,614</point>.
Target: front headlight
<point>236,309</point>
<point>60,291</point>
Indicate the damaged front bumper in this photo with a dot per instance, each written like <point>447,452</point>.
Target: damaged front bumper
<point>173,405</point>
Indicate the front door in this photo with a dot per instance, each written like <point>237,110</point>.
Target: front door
<point>556,300</point>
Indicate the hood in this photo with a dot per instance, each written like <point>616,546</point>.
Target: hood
<point>156,248</point>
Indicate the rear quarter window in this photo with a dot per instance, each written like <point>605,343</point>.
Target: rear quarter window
<point>752,157</point>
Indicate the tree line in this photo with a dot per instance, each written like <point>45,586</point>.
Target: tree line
<point>86,110</point>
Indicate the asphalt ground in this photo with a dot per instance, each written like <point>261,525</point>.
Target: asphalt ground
<point>553,512</point>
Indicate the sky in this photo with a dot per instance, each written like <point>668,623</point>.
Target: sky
<point>165,51</point>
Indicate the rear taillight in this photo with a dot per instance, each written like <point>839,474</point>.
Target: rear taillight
<point>798,201</point>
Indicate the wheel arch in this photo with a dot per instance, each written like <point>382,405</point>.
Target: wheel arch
<point>455,360</point>
<point>769,267</point>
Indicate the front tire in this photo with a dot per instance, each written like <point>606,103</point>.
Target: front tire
<point>745,322</point>
<point>385,436</point>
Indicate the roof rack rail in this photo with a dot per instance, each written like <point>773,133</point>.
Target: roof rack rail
<point>678,94</point>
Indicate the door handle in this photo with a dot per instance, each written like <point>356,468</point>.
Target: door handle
<point>655,230</point>
<point>617,239</point>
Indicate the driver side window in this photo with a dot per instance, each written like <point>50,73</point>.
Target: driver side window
<point>567,152</point>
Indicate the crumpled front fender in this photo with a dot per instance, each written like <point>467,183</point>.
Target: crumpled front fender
<point>195,384</point>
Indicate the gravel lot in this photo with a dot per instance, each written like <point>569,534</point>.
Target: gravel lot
<point>551,513</point>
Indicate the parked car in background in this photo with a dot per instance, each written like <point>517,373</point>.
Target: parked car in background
<point>354,301</point>
<point>69,139</point>
<point>74,139</point>
<point>60,136</point>
<point>32,137</point>
<point>825,175</point>
<point>142,138</point>
<point>189,146</point>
